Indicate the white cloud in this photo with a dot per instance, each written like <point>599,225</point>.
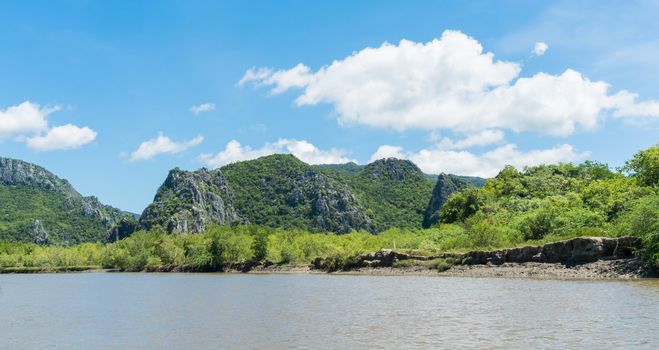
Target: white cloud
<point>26,118</point>
<point>481,138</point>
<point>204,107</point>
<point>28,122</point>
<point>450,83</point>
<point>302,149</point>
<point>62,137</point>
<point>388,151</point>
<point>255,75</point>
<point>540,48</point>
<point>162,144</point>
<point>437,159</point>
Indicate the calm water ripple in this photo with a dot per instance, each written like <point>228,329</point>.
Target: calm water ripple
<point>201,311</point>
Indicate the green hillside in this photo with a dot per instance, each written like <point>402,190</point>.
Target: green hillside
<point>394,192</point>
<point>282,191</point>
<point>39,207</point>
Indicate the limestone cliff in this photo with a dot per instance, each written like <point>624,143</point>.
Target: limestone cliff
<point>445,186</point>
<point>189,200</point>
<point>37,206</point>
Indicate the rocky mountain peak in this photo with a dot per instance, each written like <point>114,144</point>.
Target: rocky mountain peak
<point>188,200</point>
<point>48,209</point>
<point>17,172</point>
<point>445,186</point>
<point>392,169</point>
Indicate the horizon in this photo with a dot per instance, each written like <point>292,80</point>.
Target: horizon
<point>111,98</point>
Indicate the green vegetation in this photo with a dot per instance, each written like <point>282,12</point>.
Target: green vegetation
<point>222,247</point>
<point>395,193</point>
<point>546,203</point>
<point>282,191</point>
<point>37,206</point>
<point>538,205</point>
<point>346,169</point>
<point>22,205</point>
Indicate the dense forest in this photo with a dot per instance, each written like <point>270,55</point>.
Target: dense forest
<point>540,204</point>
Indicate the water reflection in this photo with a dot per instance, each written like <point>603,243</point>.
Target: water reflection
<point>199,311</point>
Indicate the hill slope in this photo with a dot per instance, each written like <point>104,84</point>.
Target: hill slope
<point>282,191</point>
<point>446,185</point>
<point>394,191</point>
<point>37,206</point>
<point>186,201</point>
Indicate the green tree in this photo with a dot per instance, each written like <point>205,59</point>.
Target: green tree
<point>645,166</point>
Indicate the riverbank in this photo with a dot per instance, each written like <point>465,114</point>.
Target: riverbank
<point>578,258</point>
<point>624,269</point>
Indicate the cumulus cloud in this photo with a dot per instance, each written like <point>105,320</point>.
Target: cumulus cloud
<point>62,137</point>
<point>163,144</point>
<point>204,107</point>
<point>28,122</point>
<point>540,48</point>
<point>25,118</point>
<point>302,149</point>
<point>450,83</point>
<point>481,138</point>
<point>438,159</point>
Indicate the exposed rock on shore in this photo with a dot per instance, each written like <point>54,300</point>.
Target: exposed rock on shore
<point>582,257</point>
<point>570,252</point>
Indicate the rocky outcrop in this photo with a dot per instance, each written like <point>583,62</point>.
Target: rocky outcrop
<point>445,186</point>
<point>395,193</point>
<point>40,236</point>
<point>47,209</point>
<point>16,172</point>
<point>124,228</point>
<point>281,191</point>
<point>569,252</point>
<point>392,169</point>
<point>333,207</point>
<point>189,200</point>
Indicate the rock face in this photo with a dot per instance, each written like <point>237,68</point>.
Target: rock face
<point>569,252</point>
<point>40,236</point>
<point>40,207</point>
<point>124,228</point>
<point>445,186</point>
<point>333,207</point>
<point>188,200</point>
<point>16,172</point>
<point>282,191</point>
<point>395,193</point>
<point>392,169</point>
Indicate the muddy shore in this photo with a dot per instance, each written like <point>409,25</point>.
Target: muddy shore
<point>577,259</point>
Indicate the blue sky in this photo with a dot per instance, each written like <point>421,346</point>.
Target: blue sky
<point>111,95</point>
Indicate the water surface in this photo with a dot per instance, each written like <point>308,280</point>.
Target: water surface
<point>201,311</point>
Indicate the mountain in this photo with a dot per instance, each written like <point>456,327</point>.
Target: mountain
<point>39,207</point>
<point>282,191</point>
<point>475,180</point>
<point>351,168</point>
<point>394,191</point>
<point>346,169</point>
<point>445,186</point>
<point>186,201</point>
<point>276,191</point>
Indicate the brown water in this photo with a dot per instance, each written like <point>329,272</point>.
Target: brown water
<point>202,311</point>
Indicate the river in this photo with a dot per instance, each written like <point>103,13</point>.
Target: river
<point>235,311</point>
